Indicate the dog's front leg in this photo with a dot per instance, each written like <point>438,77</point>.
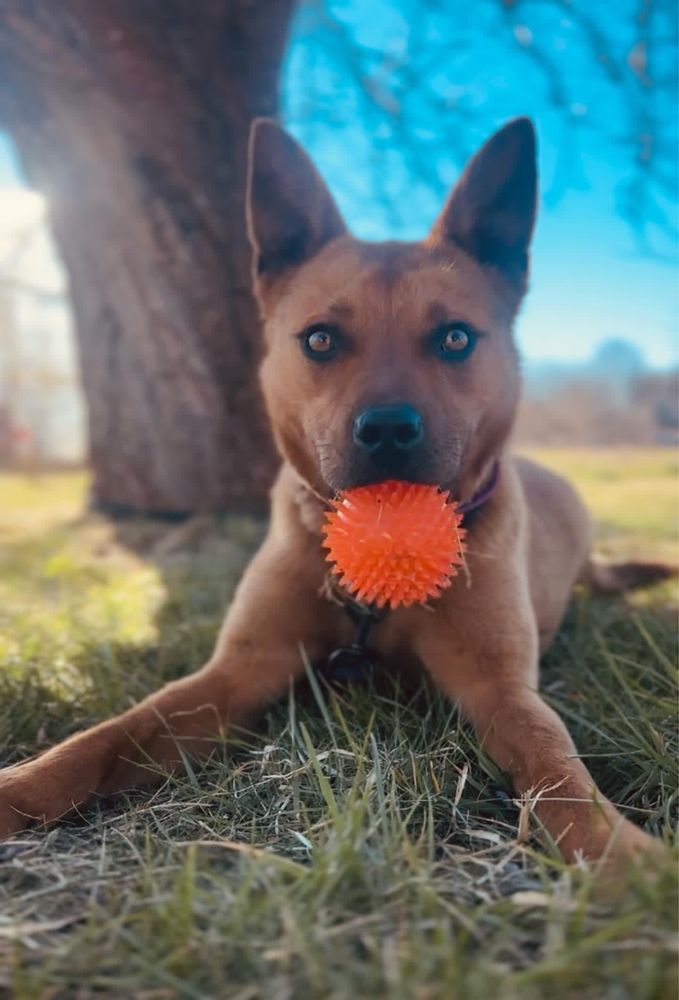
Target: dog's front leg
<point>257,656</point>
<point>495,690</point>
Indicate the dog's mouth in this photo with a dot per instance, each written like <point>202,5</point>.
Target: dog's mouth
<point>392,441</point>
<point>342,480</point>
<point>372,479</point>
<point>429,468</point>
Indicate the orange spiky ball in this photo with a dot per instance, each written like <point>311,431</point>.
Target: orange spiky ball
<point>394,543</point>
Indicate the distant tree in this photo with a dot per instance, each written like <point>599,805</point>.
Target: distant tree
<point>612,400</point>
<point>658,393</point>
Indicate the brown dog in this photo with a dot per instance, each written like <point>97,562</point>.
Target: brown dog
<point>385,360</point>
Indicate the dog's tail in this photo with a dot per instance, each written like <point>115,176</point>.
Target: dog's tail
<point>614,578</point>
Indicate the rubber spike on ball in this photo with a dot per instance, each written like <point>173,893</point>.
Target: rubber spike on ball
<point>394,543</point>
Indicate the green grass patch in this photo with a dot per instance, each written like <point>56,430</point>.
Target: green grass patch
<point>357,843</point>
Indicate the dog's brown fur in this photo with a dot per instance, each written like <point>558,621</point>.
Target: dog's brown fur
<point>529,544</point>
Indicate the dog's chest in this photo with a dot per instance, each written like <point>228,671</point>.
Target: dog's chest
<point>364,646</point>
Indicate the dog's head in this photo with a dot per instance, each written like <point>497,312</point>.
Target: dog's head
<point>391,360</point>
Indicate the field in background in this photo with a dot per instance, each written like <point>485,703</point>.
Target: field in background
<point>359,845</point>
<point>632,493</point>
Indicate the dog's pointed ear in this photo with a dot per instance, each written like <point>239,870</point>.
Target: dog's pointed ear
<point>491,210</point>
<point>290,212</point>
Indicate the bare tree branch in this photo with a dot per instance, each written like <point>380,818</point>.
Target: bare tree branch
<point>418,105</point>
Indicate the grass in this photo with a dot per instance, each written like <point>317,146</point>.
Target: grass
<point>359,844</point>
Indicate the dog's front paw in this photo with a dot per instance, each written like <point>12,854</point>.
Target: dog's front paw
<point>15,810</point>
<point>31,793</point>
<point>626,844</point>
<point>630,858</point>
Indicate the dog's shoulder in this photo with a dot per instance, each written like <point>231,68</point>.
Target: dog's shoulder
<point>295,510</point>
<point>544,489</point>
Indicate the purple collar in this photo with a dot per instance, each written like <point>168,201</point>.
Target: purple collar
<point>484,493</point>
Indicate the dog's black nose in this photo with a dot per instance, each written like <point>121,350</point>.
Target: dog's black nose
<point>392,428</point>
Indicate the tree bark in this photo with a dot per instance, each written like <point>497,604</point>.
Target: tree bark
<point>132,116</point>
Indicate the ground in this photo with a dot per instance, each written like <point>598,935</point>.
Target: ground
<point>356,845</point>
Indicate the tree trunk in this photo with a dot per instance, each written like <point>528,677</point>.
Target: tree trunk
<point>132,116</point>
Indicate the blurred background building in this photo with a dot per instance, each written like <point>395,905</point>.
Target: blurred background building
<point>42,415</point>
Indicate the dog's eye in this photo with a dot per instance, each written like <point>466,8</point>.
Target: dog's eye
<point>319,344</point>
<point>455,343</point>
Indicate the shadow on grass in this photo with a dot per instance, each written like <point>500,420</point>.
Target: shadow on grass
<point>94,616</point>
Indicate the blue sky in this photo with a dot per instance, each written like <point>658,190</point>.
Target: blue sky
<point>9,168</point>
<point>590,281</point>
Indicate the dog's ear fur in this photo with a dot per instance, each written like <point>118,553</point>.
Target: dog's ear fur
<point>491,210</point>
<point>290,212</point>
